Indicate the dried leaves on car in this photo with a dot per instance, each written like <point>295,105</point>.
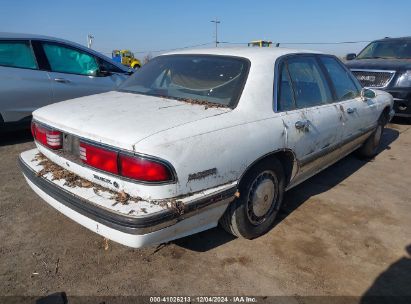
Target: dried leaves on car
<point>72,180</point>
<point>206,104</point>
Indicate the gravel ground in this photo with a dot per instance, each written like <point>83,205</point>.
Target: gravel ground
<point>344,232</point>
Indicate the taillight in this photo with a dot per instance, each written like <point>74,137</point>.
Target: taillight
<point>46,136</point>
<point>143,169</point>
<point>133,167</point>
<point>99,158</point>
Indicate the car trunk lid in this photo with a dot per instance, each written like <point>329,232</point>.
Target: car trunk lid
<point>121,119</point>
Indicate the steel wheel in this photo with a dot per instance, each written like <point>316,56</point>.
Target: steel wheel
<point>261,193</point>
<point>262,197</point>
<point>370,147</point>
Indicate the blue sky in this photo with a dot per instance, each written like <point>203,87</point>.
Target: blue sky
<point>160,24</point>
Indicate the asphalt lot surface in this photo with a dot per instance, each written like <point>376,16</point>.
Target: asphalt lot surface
<point>344,232</point>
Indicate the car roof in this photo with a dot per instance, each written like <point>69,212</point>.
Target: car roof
<point>5,35</point>
<point>19,36</point>
<point>251,53</point>
<point>394,38</point>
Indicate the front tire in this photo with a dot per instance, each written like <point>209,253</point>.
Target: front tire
<point>261,194</point>
<point>370,147</point>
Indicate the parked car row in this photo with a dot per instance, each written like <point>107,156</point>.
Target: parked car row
<point>50,70</point>
<point>197,138</point>
<point>36,71</point>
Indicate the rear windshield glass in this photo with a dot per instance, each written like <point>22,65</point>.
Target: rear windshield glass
<point>193,78</point>
<point>396,49</point>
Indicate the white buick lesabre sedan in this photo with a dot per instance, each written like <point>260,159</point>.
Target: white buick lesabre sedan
<point>201,137</point>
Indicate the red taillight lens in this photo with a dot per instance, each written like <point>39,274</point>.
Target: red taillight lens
<point>143,169</point>
<point>99,158</point>
<point>133,167</point>
<point>47,137</point>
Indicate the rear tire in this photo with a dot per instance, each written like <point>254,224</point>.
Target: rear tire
<point>261,194</point>
<point>370,147</point>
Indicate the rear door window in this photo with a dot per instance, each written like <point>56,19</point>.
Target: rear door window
<point>285,100</point>
<point>309,83</point>
<point>65,59</point>
<point>17,54</point>
<point>342,80</point>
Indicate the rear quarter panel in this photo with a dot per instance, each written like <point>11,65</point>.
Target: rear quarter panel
<point>220,152</point>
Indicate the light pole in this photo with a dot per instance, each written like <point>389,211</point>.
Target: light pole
<point>216,22</point>
<point>89,40</point>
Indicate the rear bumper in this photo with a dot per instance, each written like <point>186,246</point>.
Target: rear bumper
<point>199,214</point>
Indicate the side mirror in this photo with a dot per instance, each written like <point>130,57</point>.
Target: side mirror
<point>367,94</point>
<point>351,56</point>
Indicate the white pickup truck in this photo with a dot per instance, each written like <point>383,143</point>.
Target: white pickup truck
<point>201,137</point>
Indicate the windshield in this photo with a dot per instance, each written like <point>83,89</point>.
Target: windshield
<point>400,49</point>
<point>193,78</point>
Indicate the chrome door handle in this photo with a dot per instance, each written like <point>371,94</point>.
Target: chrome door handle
<point>302,124</point>
<point>61,80</point>
<point>351,110</point>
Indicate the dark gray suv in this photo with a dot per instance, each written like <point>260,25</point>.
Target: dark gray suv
<point>386,65</point>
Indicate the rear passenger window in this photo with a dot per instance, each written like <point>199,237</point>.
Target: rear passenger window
<point>285,101</point>
<point>17,54</point>
<point>67,60</point>
<point>309,83</point>
<point>344,85</point>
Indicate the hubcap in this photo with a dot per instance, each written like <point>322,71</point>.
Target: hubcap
<point>262,197</point>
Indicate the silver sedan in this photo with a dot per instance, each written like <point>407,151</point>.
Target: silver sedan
<point>37,70</point>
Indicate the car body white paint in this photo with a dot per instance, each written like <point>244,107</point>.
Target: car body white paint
<point>194,139</point>
<point>104,199</point>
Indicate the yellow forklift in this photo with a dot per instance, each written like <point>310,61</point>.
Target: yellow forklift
<point>126,58</point>
<point>260,43</point>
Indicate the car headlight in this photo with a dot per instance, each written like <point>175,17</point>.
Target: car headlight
<point>404,80</point>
